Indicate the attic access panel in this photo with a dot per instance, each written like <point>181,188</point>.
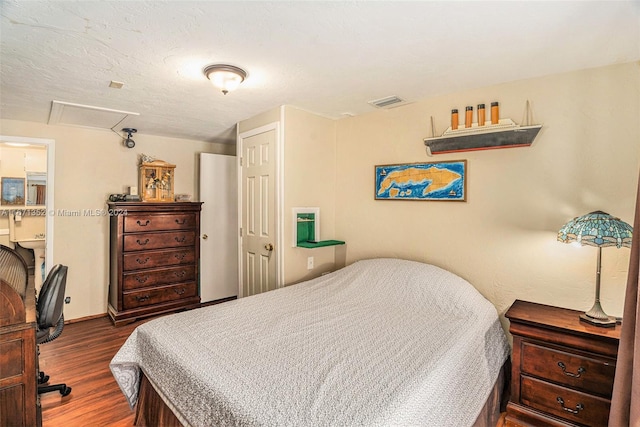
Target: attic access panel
<point>88,116</point>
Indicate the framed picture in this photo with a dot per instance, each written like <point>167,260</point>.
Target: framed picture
<point>437,181</point>
<point>13,191</point>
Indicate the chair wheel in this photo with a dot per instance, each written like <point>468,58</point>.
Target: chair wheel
<point>65,391</point>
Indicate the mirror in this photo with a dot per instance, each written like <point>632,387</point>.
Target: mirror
<point>26,161</point>
<point>36,188</point>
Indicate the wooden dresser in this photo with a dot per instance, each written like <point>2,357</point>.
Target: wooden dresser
<point>155,251</point>
<point>562,368</point>
<point>19,401</point>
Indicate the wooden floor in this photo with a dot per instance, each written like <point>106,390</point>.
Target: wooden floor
<point>80,358</point>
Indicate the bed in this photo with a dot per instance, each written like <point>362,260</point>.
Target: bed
<point>381,342</point>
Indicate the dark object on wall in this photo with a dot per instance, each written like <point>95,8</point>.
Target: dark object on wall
<point>128,142</point>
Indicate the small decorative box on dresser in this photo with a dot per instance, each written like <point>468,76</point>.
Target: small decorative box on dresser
<point>562,368</point>
<point>155,250</point>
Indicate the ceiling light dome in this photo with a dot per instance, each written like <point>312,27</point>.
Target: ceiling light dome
<point>225,77</point>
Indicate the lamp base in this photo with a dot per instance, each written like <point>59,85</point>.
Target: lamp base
<point>609,322</point>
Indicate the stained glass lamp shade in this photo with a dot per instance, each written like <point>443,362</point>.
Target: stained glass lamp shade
<point>601,230</point>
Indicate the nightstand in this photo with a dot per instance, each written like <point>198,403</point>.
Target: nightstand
<point>562,368</point>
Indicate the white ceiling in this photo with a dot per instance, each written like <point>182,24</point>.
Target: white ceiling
<point>330,58</point>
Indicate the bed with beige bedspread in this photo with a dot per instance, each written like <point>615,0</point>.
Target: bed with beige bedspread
<point>382,342</point>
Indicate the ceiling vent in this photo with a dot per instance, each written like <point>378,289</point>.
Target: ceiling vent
<point>66,113</point>
<point>388,102</point>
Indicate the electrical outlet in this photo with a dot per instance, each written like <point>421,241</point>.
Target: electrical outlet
<point>310,263</point>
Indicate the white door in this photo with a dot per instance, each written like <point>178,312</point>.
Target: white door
<point>218,227</point>
<point>259,234</point>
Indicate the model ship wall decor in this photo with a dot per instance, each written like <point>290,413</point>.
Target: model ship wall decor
<point>503,134</point>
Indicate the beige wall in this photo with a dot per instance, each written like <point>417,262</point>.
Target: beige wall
<point>503,239</point>
<point>271,116</point>
<point>90,165</point>
<point>310,181</point>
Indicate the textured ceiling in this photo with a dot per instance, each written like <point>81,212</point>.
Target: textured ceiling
<point>330,58</point>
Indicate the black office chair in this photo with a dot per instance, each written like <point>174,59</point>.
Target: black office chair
<point>51,319</point>
<point>13,270</point>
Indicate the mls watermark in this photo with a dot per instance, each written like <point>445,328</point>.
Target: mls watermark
<point>63,212</point>
<point>87,212</point>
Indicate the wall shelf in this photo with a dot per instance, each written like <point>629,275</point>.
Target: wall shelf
<point>505,134</point>
<point>306,229</point>
<point>320,244</point>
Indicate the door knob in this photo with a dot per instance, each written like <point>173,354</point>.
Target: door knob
<point>205,237</point>
<point>268,247</point>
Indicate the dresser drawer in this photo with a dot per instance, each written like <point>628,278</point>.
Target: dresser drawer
<point>148,222</point>
<point>589,374</point>
<point>158,277</point>
<point>146,241</point>
<point>571,405</point>
<point>160,258</point>
<point>158,295</point>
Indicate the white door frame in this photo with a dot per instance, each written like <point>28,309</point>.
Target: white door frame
<point>49,206</point>
<point>279,202</point>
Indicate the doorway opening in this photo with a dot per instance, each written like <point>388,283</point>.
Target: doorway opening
<point>48,182</point>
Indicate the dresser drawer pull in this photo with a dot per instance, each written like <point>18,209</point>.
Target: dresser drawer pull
<point>142,261</point>
<point>142,243</point>
<point>179,291</point>
<point>142,279</point>
<point>180,256</point>
<point>142,298</point>
<point>181,222</point>
<point>180,239</point>
<point>581,371</point>
<point>146,222</point>
<point>179,274</point>
<point>579,406</point>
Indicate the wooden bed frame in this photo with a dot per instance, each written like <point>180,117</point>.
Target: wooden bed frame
<point>152,411</point>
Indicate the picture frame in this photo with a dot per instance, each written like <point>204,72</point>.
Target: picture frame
<point>12,190</point>
<point>432,181</point>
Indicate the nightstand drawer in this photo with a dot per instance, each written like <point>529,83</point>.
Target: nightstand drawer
<point>564,403</point>
<point>147,222</point>
<point>152,296</point>
<point>145,241</point>
<point>150,259</point>
<point>589,374</point>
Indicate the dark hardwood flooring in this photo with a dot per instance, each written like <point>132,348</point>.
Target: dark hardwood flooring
<point>80,358</point>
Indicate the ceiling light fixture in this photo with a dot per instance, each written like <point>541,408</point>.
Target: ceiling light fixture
<point>225,77</point>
